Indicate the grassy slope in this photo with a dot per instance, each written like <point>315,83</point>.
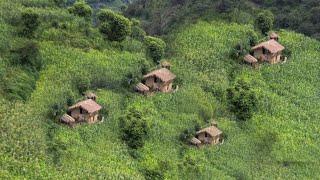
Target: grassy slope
<point>284,130</point>
<point>279,142</point>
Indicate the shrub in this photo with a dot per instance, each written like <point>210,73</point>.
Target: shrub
<point>187,134</point>
<point>253,38</point>
<point>138,33</point>
<point>83,84</point>
<point>242,99</point>
<point>56,111</point>
<point>28,55</point>
<point>224,6</point>
<point>240,50</point>
<point>155,48</point>
<point>264,21</point>
<point>135,128</point>
<point>60,3</point>
<point>114,26</point>
<point>30,22</point>
<point>81,9</point>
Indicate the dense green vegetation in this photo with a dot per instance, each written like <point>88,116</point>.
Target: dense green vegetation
<point>161,16</point>
<point>269,116</point>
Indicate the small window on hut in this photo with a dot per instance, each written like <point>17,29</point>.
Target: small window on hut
<point>206,135</point>
<point>157,80</point>
<point>264,51</point>
<point>81,111</point>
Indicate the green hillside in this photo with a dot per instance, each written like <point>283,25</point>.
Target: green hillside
<point>279,141</point>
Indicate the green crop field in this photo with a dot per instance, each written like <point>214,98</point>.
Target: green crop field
<point>280,140</point>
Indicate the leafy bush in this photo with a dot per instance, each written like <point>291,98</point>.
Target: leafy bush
<point>60,3</point>
<point>135,128</point>
<point>187,134</point>
<point>81,8</point>
<point>57,110</point>
<point>242,99</point>
<point>155,48</point>
<point>264,21</point>
<point>28,55</point>
<point>83,84</point>
<point>30,22</point>
<point>240,50</point>
<point>114,26</point>
<point>138,33</point>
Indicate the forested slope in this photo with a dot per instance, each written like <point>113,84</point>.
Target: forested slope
<point>163,15</point>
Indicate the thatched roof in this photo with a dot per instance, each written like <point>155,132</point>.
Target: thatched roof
<point>272,45</point>
<point>212,131</point>
<point>165,64</point>
<point>273,35</point>
<point>67,119</point>
<point>250,59</point>
<point>141,88</point>
<point>195,141</point>
<point>91,95</point>
<point>214,123</point>
<point>89,105</point>
<point>164,74</point>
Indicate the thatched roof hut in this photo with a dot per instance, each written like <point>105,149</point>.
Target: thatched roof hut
<point>166,64</point>
<point>272,46</point>
<point>163,74</point>
<point>140,87</point>
<point>196,142</point>
<point>274,36</point>
<point>88,105</point>
<point>67,119</point>
<point>91,95</point>
<point>250,59</point>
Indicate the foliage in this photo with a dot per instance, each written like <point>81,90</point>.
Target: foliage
<point>81,8</point>
<point>265,21</point>
<point>135,128</point>
<point>187,134</point>
<point>279,142</point>
<point>243,100</point>
<point>28,55</point>
<point>155,48</point>
<point>60,3</point>
<point>240,50</point>
<point>114,26</point>
<point>30,22</point>
<point>18,84</point>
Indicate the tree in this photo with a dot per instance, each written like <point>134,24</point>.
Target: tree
<point>264,21</point>
<point>242,99</point>
<point>155,48</point>
<point>135,128</point>
<point>114,26</point>
<point>60,3</point>
<point>30,23</point>
<point>81,8</point>
<point>137,32</point>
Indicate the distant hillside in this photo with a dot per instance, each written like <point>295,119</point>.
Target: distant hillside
<point>163,15</point>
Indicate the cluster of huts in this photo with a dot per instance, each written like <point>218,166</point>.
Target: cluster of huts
<point>269,51</point>
<point>161,80</point>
